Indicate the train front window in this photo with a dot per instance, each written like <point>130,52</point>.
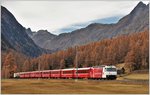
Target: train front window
<point>110,69</point>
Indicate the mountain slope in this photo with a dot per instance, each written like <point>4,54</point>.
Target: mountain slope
<point>14,36</point>
<point>40,37</point>
<point>136,21</point>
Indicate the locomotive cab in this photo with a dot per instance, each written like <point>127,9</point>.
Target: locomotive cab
<point>109,72</point>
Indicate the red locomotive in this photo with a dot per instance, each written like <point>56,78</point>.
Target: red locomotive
<point>101,72</point>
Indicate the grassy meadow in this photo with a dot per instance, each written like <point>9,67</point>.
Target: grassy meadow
<point>70,86</point>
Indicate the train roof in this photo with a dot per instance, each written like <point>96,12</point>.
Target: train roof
<point>84,68</point>
<point>56,70</point>
<point>110,66</point>
<point>103,66</point>
<point>68,69</point>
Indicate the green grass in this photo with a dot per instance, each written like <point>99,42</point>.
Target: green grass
<point>69,86</point>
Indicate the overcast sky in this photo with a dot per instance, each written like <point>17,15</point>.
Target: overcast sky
<point>56,15</point>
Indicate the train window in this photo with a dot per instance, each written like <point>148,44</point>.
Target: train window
<point>110,69</point>
<point>67,72</point>
<point>83,71</point>
<point>55,72</point>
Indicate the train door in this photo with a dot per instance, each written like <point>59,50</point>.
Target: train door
<point>74,73</point>
<point>91,73</point>
<point>60,73</point>
<point>50,74</point>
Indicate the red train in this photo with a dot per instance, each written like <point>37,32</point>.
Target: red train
<point>101,72</point>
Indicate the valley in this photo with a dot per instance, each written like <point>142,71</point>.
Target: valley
<point>124,44</point>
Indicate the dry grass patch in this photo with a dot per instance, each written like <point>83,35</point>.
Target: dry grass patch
<point>138,76</point>
<point>69,86</point>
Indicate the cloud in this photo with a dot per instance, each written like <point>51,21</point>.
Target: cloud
<point>55,15</point>
<point>76,26</point>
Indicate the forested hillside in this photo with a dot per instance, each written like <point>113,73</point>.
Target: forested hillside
<point>133,50</point>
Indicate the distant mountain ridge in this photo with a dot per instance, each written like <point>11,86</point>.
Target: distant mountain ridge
<point>40,37</point>
<point>136,21</point>
<point>14,36</point>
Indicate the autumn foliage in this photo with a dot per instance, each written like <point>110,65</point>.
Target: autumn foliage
<point>133,50</point>
<point>11,62</point>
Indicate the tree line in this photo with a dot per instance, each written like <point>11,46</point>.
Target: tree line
<point>132,50</point>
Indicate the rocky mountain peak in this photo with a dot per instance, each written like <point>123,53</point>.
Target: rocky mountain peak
<point>135,21</point>
<point>140,6</point>
<point>41,37</point>
<point>14,35</point>
<point>42,32</point>
<point>29,29</point>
